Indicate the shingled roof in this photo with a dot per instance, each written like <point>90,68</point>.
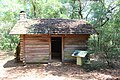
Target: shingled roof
<point>52,26</point>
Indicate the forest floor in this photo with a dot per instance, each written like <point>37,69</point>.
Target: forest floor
<point>9,70</point>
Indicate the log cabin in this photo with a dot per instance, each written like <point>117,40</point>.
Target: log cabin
<point>42,40</point>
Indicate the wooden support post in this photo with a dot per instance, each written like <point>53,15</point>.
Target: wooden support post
<point>79,61</point>
<point>62,48</point>
<point>50,49</point>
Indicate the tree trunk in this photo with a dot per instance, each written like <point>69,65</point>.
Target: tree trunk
<point>80,10</point>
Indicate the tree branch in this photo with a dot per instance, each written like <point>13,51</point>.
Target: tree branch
<point>34,8</point>
<point>80,9</point>
<point>84,5</point>
<point>88,14</point>
<point>107,19</point>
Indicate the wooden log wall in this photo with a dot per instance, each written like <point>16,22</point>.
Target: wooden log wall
<point>72,43</point>
<point>22,57</point>
<point>36,48</point>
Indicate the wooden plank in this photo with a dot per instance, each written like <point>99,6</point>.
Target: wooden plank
<point>36,43</point>
<point>36,35</point>
<point>37,51</point>
<point>75,40</point>
<point>37,59</point>
<point>69,50</point>
<point>75,43</point>
<point>72,49</point>
<point>63,49</point>
<point>56,35</point>
<point>50,53</point>
<point>77,35</point>
<point>32,37</point>
<point>37,46</point>
<point>38,39</point>
<point>36,56</point>
<point>72,38</point>
<point>74,46</point>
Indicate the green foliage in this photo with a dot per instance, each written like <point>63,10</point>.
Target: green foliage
<point>8,18</point>
<point>106,20</point>
<point>46,9</point>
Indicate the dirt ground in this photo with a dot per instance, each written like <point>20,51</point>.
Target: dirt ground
<point>9,70</point>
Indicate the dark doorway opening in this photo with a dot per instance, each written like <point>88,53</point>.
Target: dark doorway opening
<point>56,48</point>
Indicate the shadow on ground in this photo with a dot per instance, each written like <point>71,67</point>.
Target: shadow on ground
<point>12,63</point>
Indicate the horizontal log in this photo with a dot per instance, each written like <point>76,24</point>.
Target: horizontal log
<point>69,50</point>
<point>72,49</point>
<point>22,45</point>
<point>21,40</point>
<point>72,38</point>
<point>40,39</point>
<point>76,35</point>
<point>36,56</point>
<point>37,51</point>
<point>70,46</point>
<point>37,46</point>
<point>36,35</point>
<point>75,40</point>
<point>42,59</point>
<point>70,59</point>
<point>21,37</point>
<point>36,60</point>
<point>36,42</point>
<point>74,43</point>
<point>68,53</point>
<point>32,37</point>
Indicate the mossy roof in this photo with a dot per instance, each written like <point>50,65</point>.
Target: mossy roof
<point>52,26</point>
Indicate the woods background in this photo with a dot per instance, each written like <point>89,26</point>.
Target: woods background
<point>104,15</point>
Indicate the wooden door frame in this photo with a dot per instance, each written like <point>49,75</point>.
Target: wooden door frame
<point>62,45</point>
